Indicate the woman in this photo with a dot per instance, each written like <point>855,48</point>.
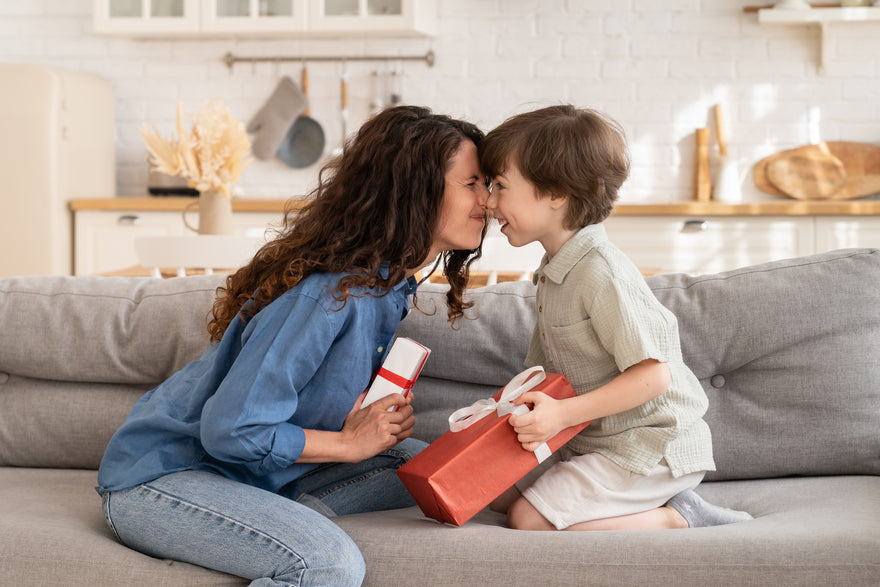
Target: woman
<point>238,461</point>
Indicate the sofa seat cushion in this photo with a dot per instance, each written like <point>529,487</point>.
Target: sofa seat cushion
<point>807,531</point>
<point>53,533</point>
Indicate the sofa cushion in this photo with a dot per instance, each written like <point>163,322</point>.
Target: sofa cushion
<point>807,531</point>
<point>784,351</point>
<point>103,329</point>
<point>46,423</point>
<point>816,531</point>
<point>77,352</point>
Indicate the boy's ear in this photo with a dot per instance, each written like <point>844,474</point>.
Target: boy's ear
<point>557,201</point>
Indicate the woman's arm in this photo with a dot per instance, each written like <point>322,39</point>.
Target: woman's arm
<point>366,432</point>
<point>637,385</point>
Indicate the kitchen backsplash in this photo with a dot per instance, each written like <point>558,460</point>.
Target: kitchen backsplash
<point>658,66</point>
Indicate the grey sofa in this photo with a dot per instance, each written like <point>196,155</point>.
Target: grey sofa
<point>786,351</point>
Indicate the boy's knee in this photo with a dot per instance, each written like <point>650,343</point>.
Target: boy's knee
<point>523,516</point>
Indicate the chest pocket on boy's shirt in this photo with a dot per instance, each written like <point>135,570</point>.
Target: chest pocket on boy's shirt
<point>576,351</point>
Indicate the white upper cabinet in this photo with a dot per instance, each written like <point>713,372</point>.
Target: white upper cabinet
<point>146,17</point>
<point>254,16</point>
<point>394,17</point>
<point>299,18</point>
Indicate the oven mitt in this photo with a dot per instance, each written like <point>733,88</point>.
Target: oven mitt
<point>272,121</point>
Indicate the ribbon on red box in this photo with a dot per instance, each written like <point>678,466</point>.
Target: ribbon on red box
<point>522,382</point>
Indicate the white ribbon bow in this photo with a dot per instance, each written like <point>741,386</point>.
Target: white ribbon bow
<point>465,417</point>
<point>521,383</point>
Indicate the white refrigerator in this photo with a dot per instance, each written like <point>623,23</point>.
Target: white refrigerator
<point>57,143</point>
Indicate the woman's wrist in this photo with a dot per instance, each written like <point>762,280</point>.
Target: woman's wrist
<point>324,446</point>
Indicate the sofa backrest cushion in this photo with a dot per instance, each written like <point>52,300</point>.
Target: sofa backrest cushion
<point>103,329</point>
<point>786,352</point>
<point>77,352</point>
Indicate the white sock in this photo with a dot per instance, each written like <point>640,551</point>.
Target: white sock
<point>699,513</point>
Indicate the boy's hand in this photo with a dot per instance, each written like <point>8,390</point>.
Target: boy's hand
<point>545,421</point>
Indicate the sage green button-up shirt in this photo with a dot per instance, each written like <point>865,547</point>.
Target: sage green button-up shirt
<point>596,318</point>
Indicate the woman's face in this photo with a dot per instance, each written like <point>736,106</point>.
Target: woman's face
<point>463,211</point>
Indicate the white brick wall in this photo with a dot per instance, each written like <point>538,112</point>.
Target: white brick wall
<point>656,65</point>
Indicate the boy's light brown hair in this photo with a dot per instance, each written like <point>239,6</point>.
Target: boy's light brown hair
<point>566,151</point>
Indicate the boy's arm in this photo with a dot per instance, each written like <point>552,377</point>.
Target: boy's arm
<point>637,385</point>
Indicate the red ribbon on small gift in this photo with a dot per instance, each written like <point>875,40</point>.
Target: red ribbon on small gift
<point>398,380</point>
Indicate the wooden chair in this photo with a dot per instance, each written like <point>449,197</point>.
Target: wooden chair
<point>205,252</point>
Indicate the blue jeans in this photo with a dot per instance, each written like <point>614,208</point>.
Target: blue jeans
<point>272,539</point>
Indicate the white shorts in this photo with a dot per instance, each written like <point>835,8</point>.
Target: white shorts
<point>576,488</point>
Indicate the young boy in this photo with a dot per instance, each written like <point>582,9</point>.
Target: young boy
<point>556,173</point>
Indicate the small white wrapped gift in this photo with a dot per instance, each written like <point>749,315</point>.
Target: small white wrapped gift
<point>399,371</point>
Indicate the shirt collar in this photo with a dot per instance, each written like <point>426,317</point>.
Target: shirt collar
<point>571,252</point>
<point>408,285</point>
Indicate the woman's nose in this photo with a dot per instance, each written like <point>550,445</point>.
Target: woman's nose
<point>483,196</point>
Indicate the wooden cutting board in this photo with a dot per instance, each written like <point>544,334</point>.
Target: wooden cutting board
<point>836,170</point>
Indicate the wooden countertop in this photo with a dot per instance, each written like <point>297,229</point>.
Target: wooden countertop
<point>779,207</point>
<point>176,204</point>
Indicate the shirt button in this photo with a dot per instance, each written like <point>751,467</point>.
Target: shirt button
<point>380,349</point>
<point>543,279</point>
<point>543,336</point>
<point>540,308</point>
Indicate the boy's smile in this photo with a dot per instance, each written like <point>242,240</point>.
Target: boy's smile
<point>525,215</point>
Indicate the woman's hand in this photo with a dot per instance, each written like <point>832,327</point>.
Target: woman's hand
<point>371,430</point>
<point>365,433</point>
<point>546,420</point>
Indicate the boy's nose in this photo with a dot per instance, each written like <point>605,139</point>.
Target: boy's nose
<point>490,201</point>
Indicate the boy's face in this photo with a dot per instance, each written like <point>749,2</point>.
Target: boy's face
<point>523,214</point>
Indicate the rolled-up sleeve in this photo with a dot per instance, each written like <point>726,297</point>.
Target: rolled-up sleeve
<point>247,420</point>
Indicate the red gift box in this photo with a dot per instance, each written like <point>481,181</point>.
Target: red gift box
<point>461,472</point>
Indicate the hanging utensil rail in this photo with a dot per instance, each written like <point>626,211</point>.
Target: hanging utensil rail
<point>230,60</point>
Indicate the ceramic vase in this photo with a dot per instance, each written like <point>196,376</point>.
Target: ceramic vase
<point>215,213</point>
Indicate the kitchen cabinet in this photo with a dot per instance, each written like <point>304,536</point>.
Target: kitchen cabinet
<point>709,243</point>
<point>146,17</point>
<point>254,16</point>
<point>389,17</point>
<point>842,232</point>
<point>696,245</point>
<point>297,18</point>
<point>104,238</point>
<point>688,237</point>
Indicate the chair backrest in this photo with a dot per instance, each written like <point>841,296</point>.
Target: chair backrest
<point>207,252</point>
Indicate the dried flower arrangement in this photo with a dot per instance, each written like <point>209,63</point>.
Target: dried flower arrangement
<point>210,157</point>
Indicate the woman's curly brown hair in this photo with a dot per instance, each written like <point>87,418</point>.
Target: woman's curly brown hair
<point>377,205</point>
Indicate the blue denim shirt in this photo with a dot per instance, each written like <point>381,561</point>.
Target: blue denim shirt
<point>240,410</point>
